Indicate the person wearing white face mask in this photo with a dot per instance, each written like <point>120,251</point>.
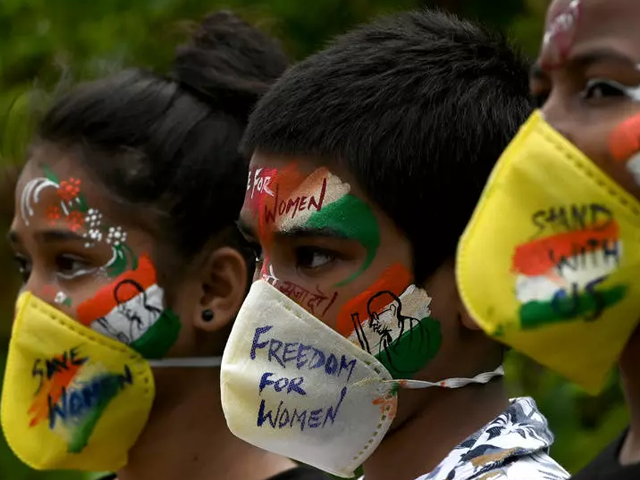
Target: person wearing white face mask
<point>367,160</point>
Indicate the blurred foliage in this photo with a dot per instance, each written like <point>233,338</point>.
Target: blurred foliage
<point>47,46</point>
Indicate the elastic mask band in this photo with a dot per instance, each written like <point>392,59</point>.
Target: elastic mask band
<point>190,362</point>
<point>481,378</point>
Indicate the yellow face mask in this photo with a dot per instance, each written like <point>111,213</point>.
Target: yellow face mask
<point>72,398</point>
<point>550,261</point>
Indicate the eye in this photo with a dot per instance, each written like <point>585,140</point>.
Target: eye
<point>69,267</point>
<point>313,257</point>
<point>24,267</point>
<point>598,88</point>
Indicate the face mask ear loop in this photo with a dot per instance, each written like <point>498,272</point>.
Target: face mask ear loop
<point>482,378</point>
<point>189,362</point>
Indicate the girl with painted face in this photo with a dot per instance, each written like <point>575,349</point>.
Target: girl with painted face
<point>124,231</point>
<point>557,230</point>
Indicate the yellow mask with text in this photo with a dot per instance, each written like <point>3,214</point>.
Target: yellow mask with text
<point>72,398</point>
<point>550,261</point>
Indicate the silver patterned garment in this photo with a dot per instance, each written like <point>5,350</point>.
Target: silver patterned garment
<point>514,446</point>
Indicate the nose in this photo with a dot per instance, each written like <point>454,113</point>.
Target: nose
<point>556,114</point>
<point>37,285</point>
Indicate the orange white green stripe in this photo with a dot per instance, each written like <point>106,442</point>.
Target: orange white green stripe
<point>559,277</point>
<point>131,310</point>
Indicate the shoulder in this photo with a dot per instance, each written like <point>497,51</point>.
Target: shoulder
<point>538,466</point>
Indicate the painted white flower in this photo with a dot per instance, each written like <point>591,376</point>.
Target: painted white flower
<point>60,298</point>
<point>93,218</point>
<point>94,235</point>
<point>116,236</point>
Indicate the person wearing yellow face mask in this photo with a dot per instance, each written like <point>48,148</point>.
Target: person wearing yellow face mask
<point>124,232</point>
<point>549,262</point>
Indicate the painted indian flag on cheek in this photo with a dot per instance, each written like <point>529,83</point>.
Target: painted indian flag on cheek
<point>392,321</point>
<point>131,310</point>
<point>559,276</point>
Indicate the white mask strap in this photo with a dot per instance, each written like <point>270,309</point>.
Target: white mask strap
<point>187,362</point>
<point>450,382</point>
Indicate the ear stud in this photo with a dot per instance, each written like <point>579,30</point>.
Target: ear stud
<point>207,315</point>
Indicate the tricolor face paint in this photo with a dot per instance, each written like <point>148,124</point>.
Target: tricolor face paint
<point>327,248</point>
<point>77,259</point>
<point>561,31</point>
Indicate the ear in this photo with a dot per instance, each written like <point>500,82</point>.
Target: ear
<point>224,285</point>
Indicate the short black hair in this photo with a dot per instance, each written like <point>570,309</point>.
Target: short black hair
<point>167,147</point>
<point>417,106</point>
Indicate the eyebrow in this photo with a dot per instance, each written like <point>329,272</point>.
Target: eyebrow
<point>586,59</point>
<point>306,232</point>
<point>608,55</point>
<point>59,236</point>
<point>48,236</point>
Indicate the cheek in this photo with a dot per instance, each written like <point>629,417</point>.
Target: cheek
<point>618,152</point>
<point>320,301</point>
<point>129,308</point>
<point>624,147</point>
<point>56,295</point>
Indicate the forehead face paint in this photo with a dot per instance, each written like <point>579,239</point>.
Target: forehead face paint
<point>70,211</point>
<point>560,34</point>
<point>286,200</point>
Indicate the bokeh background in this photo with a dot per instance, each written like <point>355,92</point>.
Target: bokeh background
<point>45,46</point>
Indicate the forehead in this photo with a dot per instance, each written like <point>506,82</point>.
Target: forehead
<point>582,24</point>
<point>289,174</point>
<point>48,161</point>
<point>284,192</point>
<point>48,165</point>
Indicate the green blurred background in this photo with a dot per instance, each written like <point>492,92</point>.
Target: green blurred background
<point>47,45</point>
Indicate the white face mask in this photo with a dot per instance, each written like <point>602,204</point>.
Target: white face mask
<point>293,386</point>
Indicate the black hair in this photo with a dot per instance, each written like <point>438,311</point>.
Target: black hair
<point>417,107</point>
<point>166,147</point>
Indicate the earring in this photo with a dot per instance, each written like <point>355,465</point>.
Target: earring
<point>207,315</point>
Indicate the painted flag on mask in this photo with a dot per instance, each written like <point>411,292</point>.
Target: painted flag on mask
<point>557,275</point>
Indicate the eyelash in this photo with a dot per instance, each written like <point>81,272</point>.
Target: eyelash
<point>308,251</point>
<point>68,267</point>
<point>614,89</point>
<point>608,89</point>
<point>76,269</point>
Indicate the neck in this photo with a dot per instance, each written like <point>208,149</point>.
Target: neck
<point>630,372</point>
<point>448,417</point>
<point>190,439</point>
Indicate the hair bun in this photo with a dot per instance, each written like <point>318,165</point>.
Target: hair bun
<point>228,59</point>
